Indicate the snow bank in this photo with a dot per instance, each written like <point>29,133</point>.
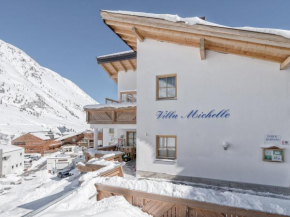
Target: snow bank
<point>197,20</point>
<point>109,207</point>
<point>92,152</point>
<point>227,198</point>
<point>83,201</point>
<point>109,165</point>
<point>97,161</point>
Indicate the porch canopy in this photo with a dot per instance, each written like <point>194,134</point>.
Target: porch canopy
<point>116,113</point>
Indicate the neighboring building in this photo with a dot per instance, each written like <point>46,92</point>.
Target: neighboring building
<point>213,102</point>
<point>79,138</point>
<point>35,142</point>
<point>60,162</point>
<point>88,140</point>
<point>11,159</point>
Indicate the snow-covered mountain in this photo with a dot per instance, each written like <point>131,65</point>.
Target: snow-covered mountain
<point>34,98</point>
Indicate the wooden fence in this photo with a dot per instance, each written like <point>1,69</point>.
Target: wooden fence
<point>165,206</point>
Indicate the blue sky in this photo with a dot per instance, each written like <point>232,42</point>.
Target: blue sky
<point>67,35</point>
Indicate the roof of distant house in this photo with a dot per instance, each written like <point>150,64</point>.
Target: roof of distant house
<point>68,136</point>
<point>9,148</point>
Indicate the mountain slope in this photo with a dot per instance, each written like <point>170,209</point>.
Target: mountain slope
<point>34,98</point>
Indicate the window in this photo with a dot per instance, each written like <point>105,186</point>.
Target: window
<point>20,164</point>
<point>131,139</point>
<point>166,87</point>
<point>20,153</point>
<point>128,96</point>
<point>12,167</point>
<point>111,130</point>
<point>16,165</point>
<point>166,147</point>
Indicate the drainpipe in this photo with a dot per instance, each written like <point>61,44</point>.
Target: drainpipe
<point>1,164</point>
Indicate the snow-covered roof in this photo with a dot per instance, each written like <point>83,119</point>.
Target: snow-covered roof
<point>9,148</point>
<point>107,154</point>
<point>112,105</point>
<point>41,135</point>
<point>60,156</point>
<point>68,136</point>
<point>197,20</point>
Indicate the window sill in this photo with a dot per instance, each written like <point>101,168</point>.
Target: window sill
<point>165,161</point>
<point>162,99</point>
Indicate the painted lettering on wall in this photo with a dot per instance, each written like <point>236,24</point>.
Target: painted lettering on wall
<point>194,114</point>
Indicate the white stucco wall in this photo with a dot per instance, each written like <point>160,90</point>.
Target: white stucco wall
<point>14,158</point>
<point>127,81</point>
<point>256,92</point>
<point>117,135</point>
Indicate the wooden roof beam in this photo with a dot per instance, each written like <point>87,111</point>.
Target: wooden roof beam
<point>115,76</point>
<point>124,32</point>
<point>122,66</point>
<point>137,34</point>
<point>113,67</point>
<point>131,65</point>
<point>109,73</point>
<point>202,48</point>
<point>285,64</point>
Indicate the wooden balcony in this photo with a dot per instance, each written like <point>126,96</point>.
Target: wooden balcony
<point>111,115</point>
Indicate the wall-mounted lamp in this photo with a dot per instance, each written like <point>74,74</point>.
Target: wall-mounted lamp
<point>226,145</point>
<point>146,134</point>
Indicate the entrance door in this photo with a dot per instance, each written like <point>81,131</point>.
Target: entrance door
<point>131,138</point>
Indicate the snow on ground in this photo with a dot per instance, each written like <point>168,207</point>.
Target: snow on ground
<point>37,163</point>
<point>44,188</point>
<point>40,188</point>
<point>109,207</point>
<point>83,201</point>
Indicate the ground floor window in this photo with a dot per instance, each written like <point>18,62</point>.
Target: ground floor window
<point>131,138</point>
<point>166,147</point>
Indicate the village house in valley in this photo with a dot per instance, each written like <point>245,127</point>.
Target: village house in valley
<point>213,102</point>
<point>11,159</point>
<point>36,142</point>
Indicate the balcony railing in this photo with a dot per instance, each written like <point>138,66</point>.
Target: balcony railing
<point>124,113</point>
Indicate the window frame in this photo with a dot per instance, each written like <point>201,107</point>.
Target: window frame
<point>128,92</point>
<point>134,137</point>
<point>111,131</point>
<point>157,147</point>
<point>157,86</point>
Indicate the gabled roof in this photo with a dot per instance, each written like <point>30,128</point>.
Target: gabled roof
<point>116,62</point>
<point>266,44</point>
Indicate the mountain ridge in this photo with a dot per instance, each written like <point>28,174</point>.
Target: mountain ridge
<point>35,98</point>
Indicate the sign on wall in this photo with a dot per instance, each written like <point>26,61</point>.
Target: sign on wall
<point>272,139</point>
<point>194,114</point>
<point>273,154</point>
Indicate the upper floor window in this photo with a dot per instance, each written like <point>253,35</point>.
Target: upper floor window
<point>130,96</point>
<point>166,147</point>
<point>111,130</point>
<point>166,87</point>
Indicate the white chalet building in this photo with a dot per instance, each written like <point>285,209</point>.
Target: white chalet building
<point>213,102</point>
<point>11,159</point>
